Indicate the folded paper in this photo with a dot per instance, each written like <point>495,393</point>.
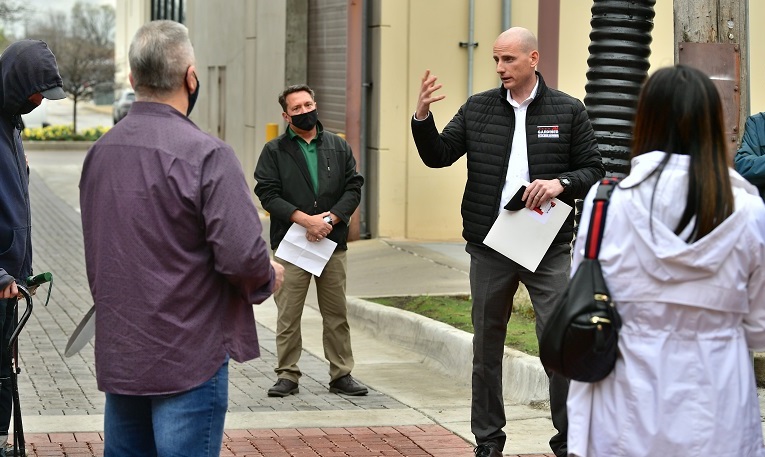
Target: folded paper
<point>311,256</point>
<point>525,235</point>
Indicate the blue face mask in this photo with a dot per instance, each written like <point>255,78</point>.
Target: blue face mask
<point>193,97</point>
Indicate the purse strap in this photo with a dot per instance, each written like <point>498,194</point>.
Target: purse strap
<point>598,216</point>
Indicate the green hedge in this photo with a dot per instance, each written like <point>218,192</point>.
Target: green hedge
<point>62,133</point>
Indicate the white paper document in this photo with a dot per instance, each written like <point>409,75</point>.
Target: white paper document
<point>524,236</point>
<point>311,256</point>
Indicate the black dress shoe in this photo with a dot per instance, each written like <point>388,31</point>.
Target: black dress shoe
<point>283,387</point>
<point>487,450</point>
<point>346,385</point>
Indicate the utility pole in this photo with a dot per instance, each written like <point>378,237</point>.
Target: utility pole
<point>713,36</point>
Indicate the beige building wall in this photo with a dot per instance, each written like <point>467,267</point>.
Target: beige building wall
<point>575,39</point>
<point>756,56</point>
<point>411,36</point>
<point>239,47</point>
<point>242,42</point>
<point>416,201</point>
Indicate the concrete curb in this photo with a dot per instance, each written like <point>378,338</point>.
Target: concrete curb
<point>449,349</point>
<point>759,368</point>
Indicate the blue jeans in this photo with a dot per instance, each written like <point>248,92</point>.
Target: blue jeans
<point>188,424</point>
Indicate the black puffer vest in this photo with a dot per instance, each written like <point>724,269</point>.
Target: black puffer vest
<point>560,143</point>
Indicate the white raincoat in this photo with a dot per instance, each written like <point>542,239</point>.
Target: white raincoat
<point>683,383</point>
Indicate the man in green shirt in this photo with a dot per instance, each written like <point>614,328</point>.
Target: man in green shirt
<point>307,176</point>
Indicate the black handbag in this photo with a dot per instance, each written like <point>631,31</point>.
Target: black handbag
<point>580,339</point>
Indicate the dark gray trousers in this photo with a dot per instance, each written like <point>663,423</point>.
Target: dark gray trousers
<point>494,280</point>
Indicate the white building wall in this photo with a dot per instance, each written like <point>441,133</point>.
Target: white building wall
<point>239,47</point>
<point>130,16</point>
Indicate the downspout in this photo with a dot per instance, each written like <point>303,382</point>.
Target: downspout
<point>470,45</point>
<point>366,89</point>
<point>506,13</point>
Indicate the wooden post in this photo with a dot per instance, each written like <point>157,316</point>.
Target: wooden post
<point>717,21</point>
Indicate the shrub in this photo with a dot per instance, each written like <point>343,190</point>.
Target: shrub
<point>62,133</point>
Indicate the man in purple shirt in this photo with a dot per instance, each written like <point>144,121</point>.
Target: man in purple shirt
<point>174,258</point>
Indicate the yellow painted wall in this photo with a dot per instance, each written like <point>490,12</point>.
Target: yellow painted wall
<point>388,128</point>
<point>663,44</point>
<point>408,36</point>
<point>573,41</point>
<point>435,195</point>
<point>411,36</point>
<point>756,56</point>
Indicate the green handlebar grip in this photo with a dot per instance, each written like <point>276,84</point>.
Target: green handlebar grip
<point>39,279</point>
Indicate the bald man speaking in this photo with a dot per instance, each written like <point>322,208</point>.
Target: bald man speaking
<point>522,130</point>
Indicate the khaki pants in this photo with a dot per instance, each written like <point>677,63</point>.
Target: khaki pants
<point>336,335</point>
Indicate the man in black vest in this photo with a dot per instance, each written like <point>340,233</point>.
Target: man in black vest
<point>522,130</point>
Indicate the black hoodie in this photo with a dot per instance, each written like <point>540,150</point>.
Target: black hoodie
<point>27,67</point>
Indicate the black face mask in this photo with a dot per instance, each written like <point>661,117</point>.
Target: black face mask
<point>192,97</point>
<point>305,121</point>
<point>27,107</point>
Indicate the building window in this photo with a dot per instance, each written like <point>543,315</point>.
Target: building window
<point>174,10</point>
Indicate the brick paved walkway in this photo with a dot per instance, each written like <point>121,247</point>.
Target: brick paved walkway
<point>409,441</point>
<point>53,387</point>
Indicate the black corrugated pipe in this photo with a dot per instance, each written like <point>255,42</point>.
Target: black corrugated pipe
<point>618,64</point>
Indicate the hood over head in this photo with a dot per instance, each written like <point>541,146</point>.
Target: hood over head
<point>27,67</point>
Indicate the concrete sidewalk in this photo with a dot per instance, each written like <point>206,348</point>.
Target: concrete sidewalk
<point>417,369</point>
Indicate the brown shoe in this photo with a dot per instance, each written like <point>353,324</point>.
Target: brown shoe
<point>283,387</point>
<point>346,385</point>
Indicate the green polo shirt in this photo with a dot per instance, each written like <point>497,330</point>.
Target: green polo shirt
<point>311,156</point>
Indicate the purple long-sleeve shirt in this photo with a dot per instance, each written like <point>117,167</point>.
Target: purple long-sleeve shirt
<point>173,251</point>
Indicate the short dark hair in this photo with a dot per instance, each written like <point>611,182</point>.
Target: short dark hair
<point>291,90</point>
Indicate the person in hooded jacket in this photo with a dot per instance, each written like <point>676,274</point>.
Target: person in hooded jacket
<point>683,255</point>
<point>28,72</point>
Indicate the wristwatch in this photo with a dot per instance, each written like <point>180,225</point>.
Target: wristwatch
<point>328,219</point>
<point>565,182</point>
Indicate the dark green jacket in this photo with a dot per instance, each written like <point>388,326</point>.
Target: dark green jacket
<point>284,184</point>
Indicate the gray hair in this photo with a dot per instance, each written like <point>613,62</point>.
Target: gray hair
<point>159,56</point>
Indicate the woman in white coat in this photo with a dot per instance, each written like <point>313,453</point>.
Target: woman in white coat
<point>683,255</point>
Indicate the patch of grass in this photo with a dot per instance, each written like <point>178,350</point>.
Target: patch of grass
<point>455,311</point>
